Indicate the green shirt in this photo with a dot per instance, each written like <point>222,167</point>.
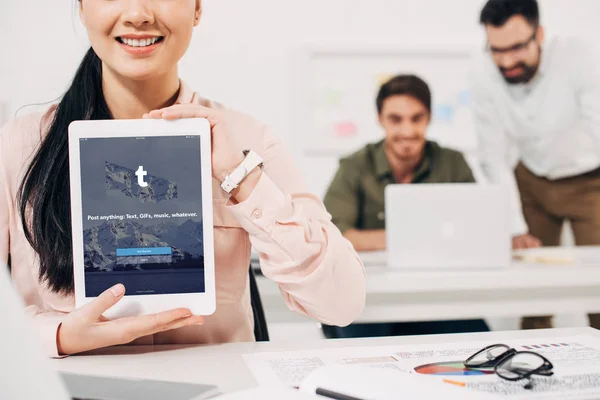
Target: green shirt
<point>355,198</point>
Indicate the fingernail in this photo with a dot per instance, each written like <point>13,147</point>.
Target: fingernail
<point>186,313</point>
<point>118,290</point>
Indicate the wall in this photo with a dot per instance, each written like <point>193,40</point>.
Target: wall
<point>242,53</point>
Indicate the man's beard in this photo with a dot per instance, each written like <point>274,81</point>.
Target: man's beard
<point>527,75</point>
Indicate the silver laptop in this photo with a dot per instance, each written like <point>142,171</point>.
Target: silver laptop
<point>82,387</point>
<point>441,226</point>
<point>22,362</point>
<point>25,372</point>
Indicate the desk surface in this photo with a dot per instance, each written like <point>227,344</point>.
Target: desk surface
<point>583,270</point>
<point>523,288</point>
<point>224,366</point>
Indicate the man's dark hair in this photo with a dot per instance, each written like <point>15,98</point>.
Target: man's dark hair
<point>497,12</point>
<point>410,85</point>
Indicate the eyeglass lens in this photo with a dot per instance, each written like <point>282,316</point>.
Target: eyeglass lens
<point>519,365</point>
<point>487,355</point>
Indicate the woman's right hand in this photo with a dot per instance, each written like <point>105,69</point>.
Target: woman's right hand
<point>86,329</point>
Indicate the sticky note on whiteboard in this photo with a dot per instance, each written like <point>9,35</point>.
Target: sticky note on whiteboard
<point>345,129</point>
<point>464,97</point>
<point>333,97</point>
<point>443,112</point>
<point>383,78</point>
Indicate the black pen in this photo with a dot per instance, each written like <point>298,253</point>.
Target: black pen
<point>334,395</point>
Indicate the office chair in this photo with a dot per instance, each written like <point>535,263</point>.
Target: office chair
<point>261,332</point>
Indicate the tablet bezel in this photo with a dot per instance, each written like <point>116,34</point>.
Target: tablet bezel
<point>130,305</point>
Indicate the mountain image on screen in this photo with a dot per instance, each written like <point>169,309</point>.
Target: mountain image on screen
<point>124,180</point>
<point>101,243</point>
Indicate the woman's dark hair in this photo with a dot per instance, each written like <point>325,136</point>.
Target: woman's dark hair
<point>44,196</point>
<point>497,12</point>
<point>410,85</point>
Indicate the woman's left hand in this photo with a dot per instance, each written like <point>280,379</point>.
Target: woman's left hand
<point>225,155</point>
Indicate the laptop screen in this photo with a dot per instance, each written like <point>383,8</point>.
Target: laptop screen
<point>142,214</point>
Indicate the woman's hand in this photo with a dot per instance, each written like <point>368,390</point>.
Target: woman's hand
<point>225,156</point>
<point>86,329</point>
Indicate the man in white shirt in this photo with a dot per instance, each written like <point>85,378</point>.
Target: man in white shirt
<point>540,100</point>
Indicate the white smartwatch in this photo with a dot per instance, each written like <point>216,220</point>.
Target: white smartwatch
<point>234,179</point>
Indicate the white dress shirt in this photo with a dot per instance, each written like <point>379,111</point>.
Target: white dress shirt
<point>552,124</point>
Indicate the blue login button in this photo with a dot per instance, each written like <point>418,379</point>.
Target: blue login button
<point>144,251</point>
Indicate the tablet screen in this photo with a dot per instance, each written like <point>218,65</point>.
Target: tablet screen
<point>142,214</point>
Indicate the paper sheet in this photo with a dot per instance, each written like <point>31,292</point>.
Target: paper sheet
<point>576,361</point>
<point>560,256</point>
<point>292,367</point>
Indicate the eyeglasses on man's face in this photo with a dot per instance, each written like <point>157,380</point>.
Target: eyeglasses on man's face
<point>514,49</point>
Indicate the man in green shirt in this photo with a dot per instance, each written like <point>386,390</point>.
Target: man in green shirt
<point>355,198</point>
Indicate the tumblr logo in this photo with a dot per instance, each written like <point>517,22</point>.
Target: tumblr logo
<point>140,173</point>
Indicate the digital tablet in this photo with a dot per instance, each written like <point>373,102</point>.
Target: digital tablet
<point>141,210</point>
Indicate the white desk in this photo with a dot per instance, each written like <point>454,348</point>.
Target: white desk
<point>223,365</point>
<point>522,289</point>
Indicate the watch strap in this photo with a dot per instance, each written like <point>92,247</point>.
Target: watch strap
<point>233,180</point>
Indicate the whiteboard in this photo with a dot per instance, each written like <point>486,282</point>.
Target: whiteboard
<point>337,87</point>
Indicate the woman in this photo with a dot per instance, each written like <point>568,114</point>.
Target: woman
<point>131,72</point>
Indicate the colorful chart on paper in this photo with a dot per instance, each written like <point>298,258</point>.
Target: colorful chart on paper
<point>450,368</point>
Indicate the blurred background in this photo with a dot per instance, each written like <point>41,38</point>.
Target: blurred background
<point>263,57</point>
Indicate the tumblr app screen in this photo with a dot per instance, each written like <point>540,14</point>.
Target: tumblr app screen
<point>142,214</point>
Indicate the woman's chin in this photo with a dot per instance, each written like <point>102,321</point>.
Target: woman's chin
<point>140,73</point>
<point>140,77</point>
